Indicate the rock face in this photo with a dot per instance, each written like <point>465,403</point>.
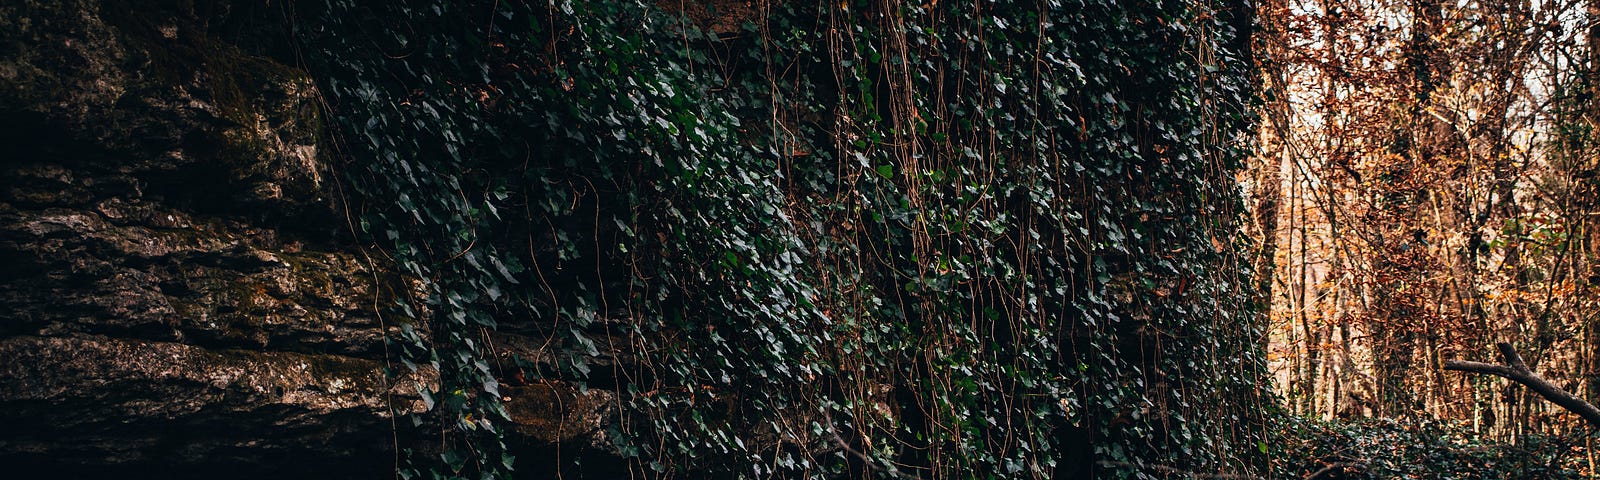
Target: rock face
<point>177,293</point>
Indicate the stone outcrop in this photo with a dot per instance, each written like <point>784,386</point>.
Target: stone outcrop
<point>178,291</point>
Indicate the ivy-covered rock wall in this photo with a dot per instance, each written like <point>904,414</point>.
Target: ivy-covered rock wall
<point>709,238</point>
<point>863,238</point>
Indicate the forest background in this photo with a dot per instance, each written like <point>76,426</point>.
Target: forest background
<point>1427,184</point>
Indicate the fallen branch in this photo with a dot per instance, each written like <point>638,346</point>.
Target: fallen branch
<point>1337,467</point>
<point>1179,471</point>
<point>1517,371</point>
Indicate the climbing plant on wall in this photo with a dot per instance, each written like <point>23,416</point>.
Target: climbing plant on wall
<point>857,239</point>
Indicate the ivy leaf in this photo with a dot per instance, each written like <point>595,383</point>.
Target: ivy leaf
<point>500,266</point>
<point>427,397</point>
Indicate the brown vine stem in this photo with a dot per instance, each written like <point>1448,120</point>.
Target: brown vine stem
<point>866,460</point>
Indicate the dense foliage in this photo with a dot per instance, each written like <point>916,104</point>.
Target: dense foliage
<point>943,240</point>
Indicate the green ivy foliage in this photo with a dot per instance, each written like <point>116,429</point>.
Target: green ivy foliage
<point>885,239</point>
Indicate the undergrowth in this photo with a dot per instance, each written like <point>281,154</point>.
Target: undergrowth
<point>1422,450</point>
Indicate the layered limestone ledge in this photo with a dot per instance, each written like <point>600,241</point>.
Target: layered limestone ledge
<point>179,293</point>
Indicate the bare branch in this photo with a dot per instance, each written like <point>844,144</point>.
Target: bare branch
<point>1334,468</point>
<point>1516,370</point>
<point>1176,470</point>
